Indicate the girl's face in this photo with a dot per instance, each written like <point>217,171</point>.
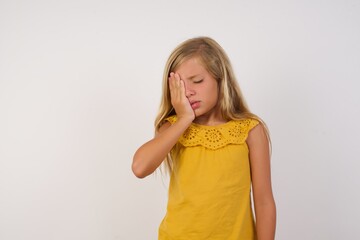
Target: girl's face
<point>201,89</point>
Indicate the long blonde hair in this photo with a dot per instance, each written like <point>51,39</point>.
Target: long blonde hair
<point>214,59</point>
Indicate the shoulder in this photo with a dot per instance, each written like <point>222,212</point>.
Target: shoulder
<point>167,123</point>
<point>257,136</point>
<point>250,123</point>
<point>163,127</point>
<point>246,124</point>
<point>172,119</point>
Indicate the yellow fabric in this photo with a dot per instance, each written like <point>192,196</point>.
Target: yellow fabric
<point>209,192</point>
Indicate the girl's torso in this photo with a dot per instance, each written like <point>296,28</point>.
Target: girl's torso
<point>209,192</point>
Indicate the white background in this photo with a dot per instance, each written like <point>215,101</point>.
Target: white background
<point>80,84</point>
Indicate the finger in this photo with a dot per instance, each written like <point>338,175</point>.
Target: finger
<point>172,84</point>
<point>182,88</point>
<point>180,82</point>
<point>177,80</point>
<point>177,77</point>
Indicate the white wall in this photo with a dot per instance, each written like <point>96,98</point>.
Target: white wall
<point>80,86</point>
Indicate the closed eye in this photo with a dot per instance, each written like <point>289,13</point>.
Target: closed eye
<point>198,81</point>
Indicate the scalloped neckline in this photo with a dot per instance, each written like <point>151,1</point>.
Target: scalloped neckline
<point>212,126</point>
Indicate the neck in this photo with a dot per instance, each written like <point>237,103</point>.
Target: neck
<point>211,119</point>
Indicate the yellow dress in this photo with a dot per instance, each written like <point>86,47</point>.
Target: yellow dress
<point>209,191</point>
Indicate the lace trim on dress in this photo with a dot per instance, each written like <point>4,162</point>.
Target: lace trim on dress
<point>214,137</point>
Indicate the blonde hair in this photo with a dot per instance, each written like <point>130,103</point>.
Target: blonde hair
<point>212,56</point>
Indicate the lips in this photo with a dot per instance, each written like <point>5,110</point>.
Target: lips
<point>195,104</point>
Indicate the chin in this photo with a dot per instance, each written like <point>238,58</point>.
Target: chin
<point>197,113</point>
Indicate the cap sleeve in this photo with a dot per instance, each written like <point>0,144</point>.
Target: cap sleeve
<point>253,123</point>
<point>171,119</point>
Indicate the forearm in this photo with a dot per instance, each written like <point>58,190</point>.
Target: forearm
<point>265,220</point>
<point>150,155</point>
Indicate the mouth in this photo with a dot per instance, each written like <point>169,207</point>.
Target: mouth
<point>195,104</point>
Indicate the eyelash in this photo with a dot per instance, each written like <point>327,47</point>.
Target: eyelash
<point>198,81</point>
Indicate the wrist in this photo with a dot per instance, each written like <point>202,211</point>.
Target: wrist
<point>187,120</point>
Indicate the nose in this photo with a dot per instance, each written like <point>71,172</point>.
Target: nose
<point>188,91</point>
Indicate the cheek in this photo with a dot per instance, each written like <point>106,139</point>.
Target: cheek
<point>213,94</point>
<point>215,90</point>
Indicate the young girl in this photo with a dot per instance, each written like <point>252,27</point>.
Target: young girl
<point>214,148</point>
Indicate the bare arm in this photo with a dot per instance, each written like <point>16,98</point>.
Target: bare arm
<point>150,155</point>
<point>265,209</point>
